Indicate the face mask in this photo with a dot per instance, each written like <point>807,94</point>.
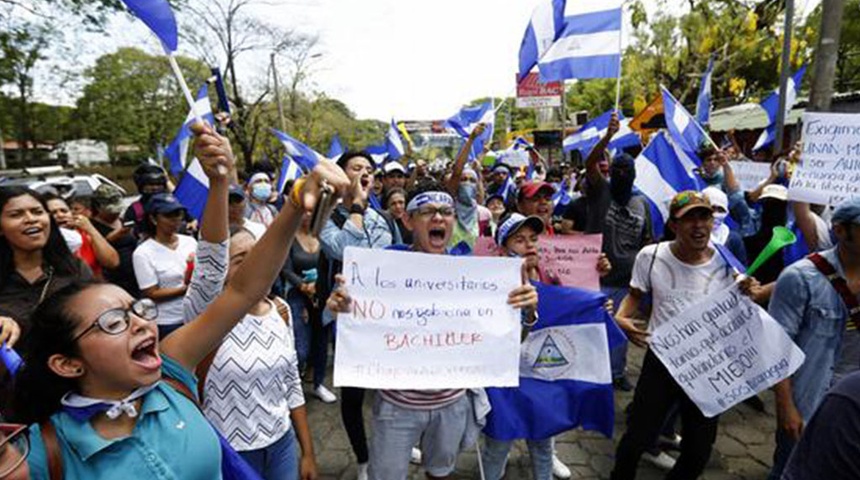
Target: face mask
<point>467,192</point>
<point>261,191</point>
<point>719,219</point>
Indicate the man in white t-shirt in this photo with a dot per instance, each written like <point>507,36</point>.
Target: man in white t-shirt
<point>677,274</point>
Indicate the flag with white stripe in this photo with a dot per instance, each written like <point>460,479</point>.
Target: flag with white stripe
<point>394,142</point>
<point>177,151</point>
<point>589,45</point>
<point>771,107</point>
<point>545,26</point>
<point>703,102</point>
<point>465,121</point>
<point>683,128</point>
<point>590,133</point>
<point>193,189</point>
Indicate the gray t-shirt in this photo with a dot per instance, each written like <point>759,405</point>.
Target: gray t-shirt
<point>626,231</point>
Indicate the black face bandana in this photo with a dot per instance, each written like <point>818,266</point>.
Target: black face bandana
<point>622,175</point>
<point>773,214</point>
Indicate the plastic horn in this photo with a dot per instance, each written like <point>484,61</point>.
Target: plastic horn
<point>11,359</point>
<point>782,237</point>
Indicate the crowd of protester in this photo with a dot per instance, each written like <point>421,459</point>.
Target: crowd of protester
<point>156,344</point>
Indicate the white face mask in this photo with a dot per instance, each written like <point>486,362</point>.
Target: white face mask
<point>719,219</point>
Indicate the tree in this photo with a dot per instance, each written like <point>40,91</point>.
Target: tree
<point>131,98</point>
<point>847,76</point>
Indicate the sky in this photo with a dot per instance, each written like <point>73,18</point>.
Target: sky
<point>402,59</point>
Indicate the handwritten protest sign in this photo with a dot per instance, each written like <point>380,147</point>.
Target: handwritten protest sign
<point>750,174</point>
<point>830,161</point>
<point>422,321</point>
<point>724,350</point>
<point>571,259</point>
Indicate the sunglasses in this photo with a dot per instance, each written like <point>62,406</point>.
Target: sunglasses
<point>14,439</point>
<point>117,320</point>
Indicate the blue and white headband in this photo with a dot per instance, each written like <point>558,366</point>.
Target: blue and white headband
<point>429,197</point>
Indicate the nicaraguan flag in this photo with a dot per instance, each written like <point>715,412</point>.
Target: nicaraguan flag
<point>545,26</point>
<point>303,155</point>
<point>289,171</point>
<point>770,105</point>
<point>193,189</point>
<point>589,45</point>
<point>561,198</point>
<point>703,102</point>
<point>590,133</point>
<point>663,170</point>
<point>565,377</point>
<point>336,148</point>
<point>177,151</point>
<point>684,129</point>
<point>521,143</point>
<point>158,16</point>
<point>465,121</point>
<point>378,152</point>
<point>393,142</point>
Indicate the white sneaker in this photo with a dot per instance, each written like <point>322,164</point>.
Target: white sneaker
<point>559,469</point>
<point>325,394</point>
<point>416,456</point>
<point>362,467</point>
<point>663,461</point>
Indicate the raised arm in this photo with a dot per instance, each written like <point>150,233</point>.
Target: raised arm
<point>191,343</point>
<point>755,194</point>
<point>453,183</point>
<point>805,220</point>
<point>592,170</point>
<point>106,255</point>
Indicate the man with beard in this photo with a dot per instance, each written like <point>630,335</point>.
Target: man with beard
<point>624,219</point>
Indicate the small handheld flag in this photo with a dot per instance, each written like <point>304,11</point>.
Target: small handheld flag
<point>703,102</point>
<point>177,151</point>
<point>300,153</point>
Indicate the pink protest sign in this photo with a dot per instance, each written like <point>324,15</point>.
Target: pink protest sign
<point>572,259</point>
<point>486,247</point>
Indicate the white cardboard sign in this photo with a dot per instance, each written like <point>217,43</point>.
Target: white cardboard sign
<point>750,174</point>
<point>724,350</point>
<point>421,321</point>
<point>830,161</point>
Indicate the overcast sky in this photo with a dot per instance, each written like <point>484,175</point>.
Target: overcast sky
<point>407,59</point>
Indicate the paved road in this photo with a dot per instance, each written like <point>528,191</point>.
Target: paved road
<point>742,451</point>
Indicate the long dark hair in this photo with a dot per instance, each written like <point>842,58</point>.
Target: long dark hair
<point>55,253</point>
<point>37,389</point>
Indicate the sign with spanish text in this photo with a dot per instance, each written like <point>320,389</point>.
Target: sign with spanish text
<point>750,174</point>
<point>724,350</point>
<point>829,171</point>
<point>532,93</point>
<point>421,321</point>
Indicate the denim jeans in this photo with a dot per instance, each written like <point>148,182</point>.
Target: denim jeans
<point>278,461</point>
<point>495,456</point>
<point>311,337</point>
<point>618,355</point>
<point>301,329</point>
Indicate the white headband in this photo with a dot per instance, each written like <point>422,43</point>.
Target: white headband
<point>429,197</point>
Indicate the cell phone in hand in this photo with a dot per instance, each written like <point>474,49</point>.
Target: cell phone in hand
<point>322,210</point>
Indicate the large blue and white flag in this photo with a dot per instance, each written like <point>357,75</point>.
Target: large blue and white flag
<point>336,149</point>
<point>465,121</point>
<point>289,171</point>
<point>303,155</point>
<point>703,101</point>
<point>378,152</point>
<point>394,142</point>
<point>158,16</point>
<point>662,170</point>
<point>193,189</point>
<point>683,128</point>
<point>590,133</point>
<point>177,151</point>
<point>589,45</point>
<point>770,105</point>
<point>565,376</point>
<point>545,26</point>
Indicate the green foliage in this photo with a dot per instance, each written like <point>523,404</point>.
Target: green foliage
<point>848,59</point>
<point>133,99</point>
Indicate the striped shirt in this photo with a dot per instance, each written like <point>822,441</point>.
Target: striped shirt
<point>422,399</point>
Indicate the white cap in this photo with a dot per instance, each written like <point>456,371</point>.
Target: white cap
<point>394,167</point>
<point>777,192</point>
<point>717,198</point>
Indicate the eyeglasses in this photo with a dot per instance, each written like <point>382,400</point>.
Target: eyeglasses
<point>430,212</point>
<point>14,447</point>
<point>117,320</point>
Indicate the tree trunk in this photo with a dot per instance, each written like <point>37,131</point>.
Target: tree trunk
<point>826,55</point>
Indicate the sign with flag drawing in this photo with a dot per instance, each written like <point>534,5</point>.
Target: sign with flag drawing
<point>421,321</point>
<point>565,376</point>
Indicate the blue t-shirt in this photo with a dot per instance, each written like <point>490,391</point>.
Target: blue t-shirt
<point>171,440</point>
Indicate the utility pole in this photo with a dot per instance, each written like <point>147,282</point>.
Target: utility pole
<point>784,74</point>
<point>826,54</point>
<point>278,95</point>
<point>2,152</point>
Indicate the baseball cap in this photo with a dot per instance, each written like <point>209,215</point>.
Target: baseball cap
<point>687,201</point>
<point>236,191</point>
<point>530,189</point>
<point>108,198</point>
<point>513,223</point>
<point>392,167</point>
<point>163,203</point>
<point>847,212</point>
<point>774,191</point>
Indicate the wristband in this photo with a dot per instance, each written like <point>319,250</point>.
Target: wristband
<point>295,194</point>
<point>356,209</point>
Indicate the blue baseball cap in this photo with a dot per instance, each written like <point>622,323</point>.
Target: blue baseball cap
<point>163,203</point>
<point>513,223</point>
<point>847,212</point>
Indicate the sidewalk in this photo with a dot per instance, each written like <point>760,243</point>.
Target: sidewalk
<point>742,451</point>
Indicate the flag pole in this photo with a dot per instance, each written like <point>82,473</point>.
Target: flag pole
<point>183,85</point>
<point>620,61</point>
